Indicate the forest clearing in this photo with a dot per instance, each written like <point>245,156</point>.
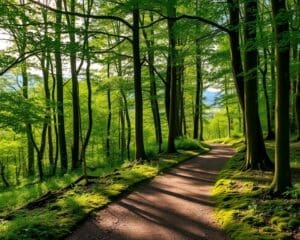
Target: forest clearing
<point>138,119</point>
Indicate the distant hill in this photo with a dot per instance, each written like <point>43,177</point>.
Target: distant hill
<point>210,96</point>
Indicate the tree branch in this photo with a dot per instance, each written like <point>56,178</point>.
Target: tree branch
<point>115,18</point>
<point>19,60</point>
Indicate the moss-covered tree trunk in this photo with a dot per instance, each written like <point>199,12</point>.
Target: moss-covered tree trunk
<point>282,175</point>
<point>256,155</point>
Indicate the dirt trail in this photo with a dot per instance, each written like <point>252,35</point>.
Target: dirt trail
<point>174,206</point>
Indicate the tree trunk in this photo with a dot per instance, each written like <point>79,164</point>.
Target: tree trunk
<point>282,176</point>
<point>30,148</point>
<point>2,174</point>
<point>60,91</point>
<point>128,121</point>
<point>236,59</point>
<point>75,89</point>
<point>227,107</point>
<point>173,80</point>
<point>153,92</point>
<point>297,97</point>
<point>122,139</point>
<point>89,92</point>
<point>264,72</point>
<point>198,101</point>
<point>139,135</point>
<point>256,155</point>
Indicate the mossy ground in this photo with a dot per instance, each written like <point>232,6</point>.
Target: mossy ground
<point>243,208</point>
<point>59,217</point>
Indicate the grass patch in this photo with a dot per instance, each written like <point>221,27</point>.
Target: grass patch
<point>245,212</point>
<point>58,218</point>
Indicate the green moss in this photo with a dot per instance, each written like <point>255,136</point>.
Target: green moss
<point>55,220</point>
<point>243,209</point>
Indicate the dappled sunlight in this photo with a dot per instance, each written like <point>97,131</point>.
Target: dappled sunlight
<point>176,205</point>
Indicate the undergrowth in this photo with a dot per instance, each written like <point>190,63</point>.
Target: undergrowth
<point>246,212</point>
<point>57,218</point>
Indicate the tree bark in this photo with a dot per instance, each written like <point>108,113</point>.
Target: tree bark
<point>198,101</point>
<point>75,89</point>
<point>139,135</point>
<point>297,97</point>
<point>173,79</point>
<point>153,92</point>
<point>236,59</point>
<point>256,155</point>
<point>30,148</point>
<point>60,91</point>
<point>89,92</point>
<point>282,176</point>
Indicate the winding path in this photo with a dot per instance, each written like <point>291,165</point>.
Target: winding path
<point>173,206</point>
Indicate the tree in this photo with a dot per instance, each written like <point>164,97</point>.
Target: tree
<point>139,135</point>
<point>153,91</point>
<point>172,76</point>
<point>256,155</point>
<point>282,176</point>
<point>60,90</point>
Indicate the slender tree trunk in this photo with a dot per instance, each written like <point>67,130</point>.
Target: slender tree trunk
<point>198,90</point>
<point>75,89</point>
<point>122,129</point>
<point>264,72</point>
<point>282,177</point>
<point>108,124</point>
<point>297,95</point>
<point>297,100</point>
<point>139,135</point>
<point>128,121</point>
<point>89,92</point>
<point>256,155</point>
<point>153,92</point>
<point>173,79</point>
<point>2,174</point>
<point>60,91</point>
<point>45,69</point>
<point>236,60</point>
<point>180,93</point>
<point>56,153</point>
<point>108,116</point>
<point>227,107</point>
<point>30,148</point>
<point>273,78</point>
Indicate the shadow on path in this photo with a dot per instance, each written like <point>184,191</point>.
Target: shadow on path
<point>174,206</point>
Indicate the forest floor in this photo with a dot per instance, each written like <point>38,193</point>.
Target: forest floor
<point>243,207</point>
<point>175,205</point>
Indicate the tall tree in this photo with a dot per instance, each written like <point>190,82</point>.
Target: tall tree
<point>171,7</point>
<point>153,91</point>
<point>282,176</point>
<point>297,97</point>
<point>75,89</point>
<point>256,155</point>
<point>60,90</point>
<point>139,135</point>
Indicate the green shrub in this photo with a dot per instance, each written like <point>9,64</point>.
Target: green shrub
<point>188,144</point>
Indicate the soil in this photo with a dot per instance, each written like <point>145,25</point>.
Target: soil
<point>174,206</point>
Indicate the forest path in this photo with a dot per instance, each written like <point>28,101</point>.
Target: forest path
<point>173,206</point>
